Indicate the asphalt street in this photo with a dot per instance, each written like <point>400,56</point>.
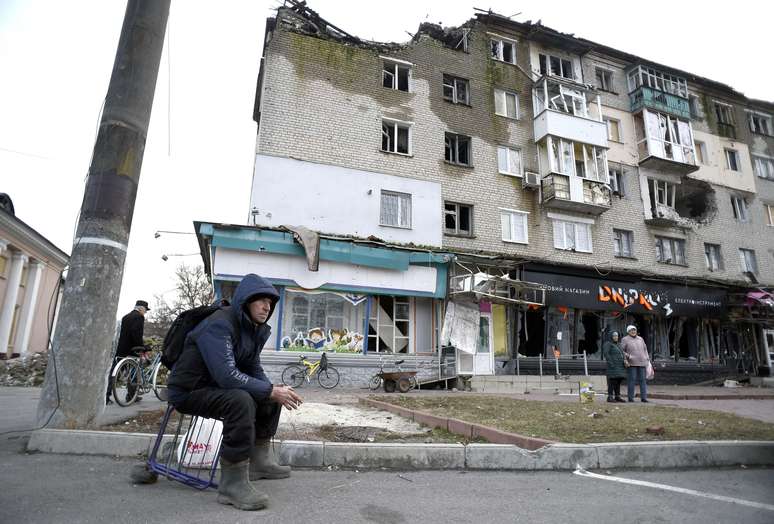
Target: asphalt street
<point>43,488</point>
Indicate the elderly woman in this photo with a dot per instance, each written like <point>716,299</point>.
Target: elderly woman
<point>616,372</point>
<point>637,360</point>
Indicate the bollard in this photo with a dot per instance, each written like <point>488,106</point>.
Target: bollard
<point>517,364</point>
<point>556,360</point>
<point>540,364</point>
<point>585,364</point>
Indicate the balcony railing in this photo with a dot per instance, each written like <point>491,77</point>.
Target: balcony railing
<point>572,193</point>
<point>647,97</point>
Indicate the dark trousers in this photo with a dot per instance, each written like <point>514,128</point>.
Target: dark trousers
<point>614,387</point>
<point>245,419</point>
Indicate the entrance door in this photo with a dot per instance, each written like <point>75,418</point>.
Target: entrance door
<point>768,337</point>
<point>483,360</point>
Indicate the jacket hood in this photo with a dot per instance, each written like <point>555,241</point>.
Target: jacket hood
<point>250,286</point>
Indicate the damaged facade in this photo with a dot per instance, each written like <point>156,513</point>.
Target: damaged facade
<point>596,188</point>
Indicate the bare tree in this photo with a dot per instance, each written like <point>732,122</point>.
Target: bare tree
<point>192,290</point>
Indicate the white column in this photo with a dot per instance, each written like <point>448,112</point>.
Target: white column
<point>27,313</point>
<point>3,246</point>
<point>9,302</point>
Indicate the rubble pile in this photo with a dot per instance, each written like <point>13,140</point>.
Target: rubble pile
<point>28,371</point>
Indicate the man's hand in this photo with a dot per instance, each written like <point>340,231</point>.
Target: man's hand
<point>286,396</point>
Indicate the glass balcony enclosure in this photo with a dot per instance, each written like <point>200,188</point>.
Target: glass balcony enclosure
<point>567,109</point>
<point>665,142</point>
<point>653,89</point>
<point>654,79</point>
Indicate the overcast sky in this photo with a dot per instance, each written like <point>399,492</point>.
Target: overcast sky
<point>56,58</point>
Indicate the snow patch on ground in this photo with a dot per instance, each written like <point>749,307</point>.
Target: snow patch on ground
<point>312,414</point>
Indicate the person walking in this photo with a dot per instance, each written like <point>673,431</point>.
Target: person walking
<point>219,375</point>
<point>616,372</point>
<point>636,360</point>
<point>130,343</point>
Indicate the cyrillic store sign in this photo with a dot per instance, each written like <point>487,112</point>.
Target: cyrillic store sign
<point>638,296</point>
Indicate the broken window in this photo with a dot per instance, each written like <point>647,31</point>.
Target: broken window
<point>615,175</point>
<point>670,250</point>
<point>666,137</point>
<point>457,149</point>
<point>455,89</point>
<point>395,209</point>
<point>739,206</point>
<point>514,225</point>
<point>748,260</point>
<point>508,161</point>
<point>506,103</point>
<point>763,166</point>
<point>661,194</point>
<point>503,50</point>
<point>701,152</point>
<point>575,158</point>
<point>724,115</point>
<point>654,79</point>
<point>458,219</point>
<point>604,79</point>
<point>760,123</point>
<point>396,137</point>
<point>555,66</point>
<point>622,243</point>
<point>712,257</point>
<point>613,129</point>
<point>732,160</point>
<point>396,75</point>
<point>572,236</point>
<point>768,210</point>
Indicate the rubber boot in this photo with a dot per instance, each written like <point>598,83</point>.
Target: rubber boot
<point>234,488</point>
<point>263,464</point>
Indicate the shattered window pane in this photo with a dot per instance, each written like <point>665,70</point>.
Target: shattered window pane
<point>396,76</point>
<point>556,66</point>
<point>396,137</point>
<point>463,146</point>
<point>464,218</point>
<point>508,53</point>
<point>403,79</point>
<point>495,48</point>
<point>388,136</point>
<point>567,69</point>
<point>448,148</point>
<point>403,140</point>
<point>388,75</point>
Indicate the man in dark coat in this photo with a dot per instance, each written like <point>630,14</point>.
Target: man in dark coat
<point>130,342</point>
<point>219,375</point>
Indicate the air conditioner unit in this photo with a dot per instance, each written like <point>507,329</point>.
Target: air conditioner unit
<point>530,180</point>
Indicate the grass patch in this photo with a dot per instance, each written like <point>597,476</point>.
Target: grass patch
<point>582,423</point>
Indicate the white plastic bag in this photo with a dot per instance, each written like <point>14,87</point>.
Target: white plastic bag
<point>649,372</point>
<point>200,445</point>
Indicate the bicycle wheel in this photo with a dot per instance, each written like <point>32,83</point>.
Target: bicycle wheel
<point>293,376</point>
<point>159,381</point>
<point>375,383</point>
<point>126,382</point>
<point>413,382</point>
<point>328,377</point>
<point>404,384</point>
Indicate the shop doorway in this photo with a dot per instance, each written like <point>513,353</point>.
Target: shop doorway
<point>532,333</point>
<point>588,333</point>
<point>482,361</point>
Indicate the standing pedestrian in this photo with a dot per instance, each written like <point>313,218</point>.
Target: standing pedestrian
<point>616,372</point>
<point>636,359</point>
<point>130,342</point>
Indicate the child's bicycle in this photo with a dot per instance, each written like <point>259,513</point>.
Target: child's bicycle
<point>327,375</point>
<point>133,376</point>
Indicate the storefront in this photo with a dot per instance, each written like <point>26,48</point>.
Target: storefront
<point>678,322</point>
<point>363,296</point>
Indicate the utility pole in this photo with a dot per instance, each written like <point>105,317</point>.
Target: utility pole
<point>75,385</point>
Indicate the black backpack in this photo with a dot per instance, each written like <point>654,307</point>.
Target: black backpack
<point>174,340</point>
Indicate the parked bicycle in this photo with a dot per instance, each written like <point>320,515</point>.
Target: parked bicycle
<point>134,376</point>
<point>295,374</point>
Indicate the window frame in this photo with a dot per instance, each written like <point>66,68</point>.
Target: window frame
<point>615,176</point>
<point>502,40</point>
<point>398,124</point>
<point>525,225</point>
<point>700,152</point>
<point>669,191</point>
<point>456,212</point>
<point>766,119</point>
<point>604,85</point>
<point>763,166</point>
<point>545,67</point>
<point>617,122</point>
<point>711,250</point>
<point>619,235</point>
<point>724,111</point>
<point>400,195</point>
<point>397,64</point>
<point>508,150</point>
<point>741,208</point>
<point>449,80</point>
<point>732,153</point>
<point>564,221</point>
<point>448,135</point>
<point>768,210</point>
<point>673,243</point>
<point>505,93</point>
<point>743,259</point>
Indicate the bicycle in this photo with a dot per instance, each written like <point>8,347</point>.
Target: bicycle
<point>295,374</point>
<point>404,383</point>
<point>140,373</point>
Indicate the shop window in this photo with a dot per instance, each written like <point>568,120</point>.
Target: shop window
<point>514,226</point>
<point>395,209</point>
<point>613,129</point>
<point>670,250</point>
<point>456,90</point>
<point>396,137</point>
<point>622,243</point>
<point>458,219</point>
<point>503,50</point>
<point>740,208</point>
<point>748,260</point>
<point>555,66</point>
<point>396,75</point>
<point>389,325</point>
<point>713,257</point>
<point>732,160</point>
<point>457,149</point>
<point>506,103</point>
<point>604,79</point>
<point>572,236</point>
<point>760,123</point>
<point>509,161</point>
<point>763,166</point>
<point>323,321</point>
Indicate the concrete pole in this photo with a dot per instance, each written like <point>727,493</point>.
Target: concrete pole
<point>74,389</point>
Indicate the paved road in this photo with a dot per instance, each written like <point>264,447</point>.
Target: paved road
<point>42,488</point>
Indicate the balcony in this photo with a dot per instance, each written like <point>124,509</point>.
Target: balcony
<point>665,143</point>
<point>661,101</point>
<point>568,110</point>
<point>572,193</point>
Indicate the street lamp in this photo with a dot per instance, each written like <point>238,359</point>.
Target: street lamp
<point>158,233</point>
<point>166,257</point>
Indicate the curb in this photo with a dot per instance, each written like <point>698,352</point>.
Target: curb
<point>610,455</point>
<point>677,396</point>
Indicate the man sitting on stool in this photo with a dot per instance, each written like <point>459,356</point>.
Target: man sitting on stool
<point>219,375</point>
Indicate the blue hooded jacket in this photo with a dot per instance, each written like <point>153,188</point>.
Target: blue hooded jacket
<point>224,350</point>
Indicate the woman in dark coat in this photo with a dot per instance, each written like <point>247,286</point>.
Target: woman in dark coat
<point>616,371</point>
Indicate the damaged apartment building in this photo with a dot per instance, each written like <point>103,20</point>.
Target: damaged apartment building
<point>560,188</point>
